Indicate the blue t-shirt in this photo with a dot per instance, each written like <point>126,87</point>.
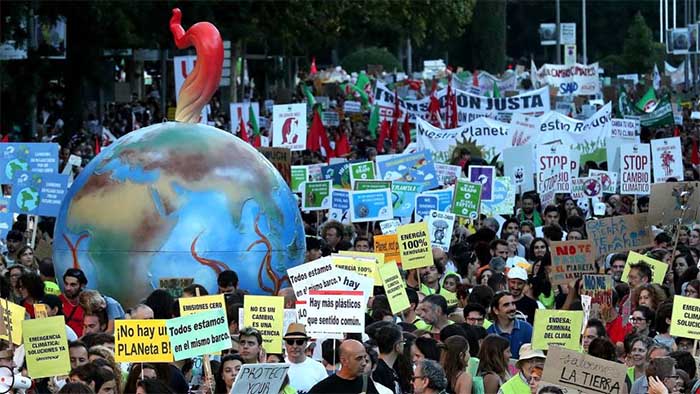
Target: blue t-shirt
<point>114,308</point>
<point>521,334</point>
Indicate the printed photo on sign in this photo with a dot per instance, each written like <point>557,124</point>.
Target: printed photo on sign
<point>370,205</point>
<point>447,174</point>
<point>413,167</point>
<point>485,176</point>
<point>440,225</point>
<point>315,196</point>
<point>503,200</point>
<point>289,126</point>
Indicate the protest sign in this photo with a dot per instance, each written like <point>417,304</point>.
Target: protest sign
<point>335,312</point>
<point>440,225</point>
<point>281,158</point>
<point>330,118</point>
<point>290,316</point>
<point>685,318</point>
<point>485,176</point>
<point>404,195</point>
<point>635,169</point>
<point>389,245</point>
<point>367,255</point>
<point>316,274</point>
<point>141,341</point>
<point>608,180</point>
<point>554,168</point>
<point>339,174</point>
<point>370,205</point>
<point>352,107</point>
<point>340,206</point>
<point>198,334</point>
<point>424,204</point>
<point>38,194</point>
<point>599,288</point>
<point>41,311</point>
<point>266,314</point>
<point>589,375</point>
<point>389,226</point>
<point>6,217</point>
<point>571,80</point>
<point>300,174</point>
<point>12,316</point>
<point>503,201</point>
<point>658,268</point>
<point>445,197</point>
<point>289,126</point>
<point>243,110</point>
<point>190,305</point>
<point>315,195</point>
<point>411,167</point>
<point>362,185</point>
<point>618,234</point>
<point>447,174</point>
<point>353,281</point>
<point>570,260</point>
<point>585,187</point>
<point>38,158</point>
<point>366,267</point>
<point>670,201</point>
<point>414,246</point>
<point>626,128</point>
<point>517,164</point>
<point>467,199</point>
<point>46,347</point>
<point>667,159</point>
<point>264,378</point>
<point>394,287</point>
<point>361,171</point>
<point>554,327</point>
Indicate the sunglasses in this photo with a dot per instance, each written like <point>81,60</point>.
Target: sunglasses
<point>298,342</point>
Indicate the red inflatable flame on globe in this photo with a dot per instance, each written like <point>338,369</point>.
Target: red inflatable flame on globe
<point>203,81</point>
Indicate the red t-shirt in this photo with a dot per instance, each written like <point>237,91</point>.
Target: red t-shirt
<point>74,315</point>
<point>616,331</point>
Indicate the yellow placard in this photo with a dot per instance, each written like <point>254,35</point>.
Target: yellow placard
<point>359,265</point>
<point>450,297</point>
<point>394,287</point>
<point>41,311</point>
<point>389,246</point>
<point>658,268</point>
<point>414,246</point>
<point>141,341</point>
<point>553,327</point>
<point>191,305</point>
<point>13,322</point>
<point>266,314</point>
<point>46,346</point>
<point>685,318</point>
<point>368,255</point>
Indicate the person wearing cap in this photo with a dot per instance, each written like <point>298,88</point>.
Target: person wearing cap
<point>520,383</point>
<point>74,281</point>
<point>517,279</point>
<point>304,372</point>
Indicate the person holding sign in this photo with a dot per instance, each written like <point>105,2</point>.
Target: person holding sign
<point>303,372</point>
<point>351,379</point>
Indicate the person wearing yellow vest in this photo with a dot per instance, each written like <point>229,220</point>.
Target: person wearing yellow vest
<point>433,311</point>
<point>48,275</point>
<point>520,383</point>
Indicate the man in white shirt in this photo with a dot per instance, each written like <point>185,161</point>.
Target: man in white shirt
<point>303,372</point>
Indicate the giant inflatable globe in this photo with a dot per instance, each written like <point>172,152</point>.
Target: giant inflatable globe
<point>178,200</point>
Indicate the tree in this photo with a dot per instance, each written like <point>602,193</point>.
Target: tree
<point>359,60</point>
<point>640,52</point>
<point>486,36</point>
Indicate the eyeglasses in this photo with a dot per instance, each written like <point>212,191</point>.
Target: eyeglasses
<point>417,377</point>
<point>298,342</point>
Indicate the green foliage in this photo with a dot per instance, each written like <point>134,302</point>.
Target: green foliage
<point>640,51</point>
<point>358,60</point>
<point>486,37</point>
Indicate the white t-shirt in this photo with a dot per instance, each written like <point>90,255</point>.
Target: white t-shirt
<point>303,376</point>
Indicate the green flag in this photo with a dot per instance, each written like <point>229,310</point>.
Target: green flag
<point>496,91</point>
<point>311,101</point>
<point>648,102</point>
<point>253,120</point>
<point>374,122</point>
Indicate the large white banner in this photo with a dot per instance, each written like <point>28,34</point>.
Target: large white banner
<point>289,126</point>
<point>571,80</point>
<point>469,106</point>
<point>493,136</point>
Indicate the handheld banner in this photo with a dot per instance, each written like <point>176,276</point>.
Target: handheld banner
<point>445,197</point>
<point>608,180</point>
<point>190,305</point>
<point>300,174</point>
<point>388,244</point>
<point>587,374</point>
<point>340,206</point>
<point>12,316</point>
<point>266,314</point>
<point>141,341</point>
<point>339,174</point>
<point>658,269</point>
<point>570,260</point>
<point>424,204</point>
<point>667,158</point>
<point>403,195</point>
<point>599,288</point>
<point>198,334</point>
<point>571,80</point>
<point>315,274</point>
<point>335,312</point>
<point>411,167</point>
<point>38,194</point>
<point>553,327</point>
<point>635,169</point>
<point>440,225</point>
<point>46,346</point>
<point>315,195</point>
<point>503,202</point>
<point>685,318</point>
<point>447,174</point>
<point>484,176</point>
<point>389,226</point>
<point>619,234</point>
<point>670,201</point>
<point>38,158</point>
<point>361,171</point>
<point>370,205</point>
<point>467,199</point>
<point>554,158</point>
<point>585,187</point>
<point>394,287</point>
<point>265,378</point>
<point>289,126</point>
<point>414,245</point>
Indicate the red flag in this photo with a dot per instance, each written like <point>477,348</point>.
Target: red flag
<point>5,138</point>
<point>342,144</point>
<point>475,78</point>
<point>98,146</point>
<point>406,132</point>
<point>695,154</point>
<point>434,107</point>
<point>313,69</point>
<point>242,133</point>
<point>383,134</point>
<point>676,132</point>
<point>317,137</point>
